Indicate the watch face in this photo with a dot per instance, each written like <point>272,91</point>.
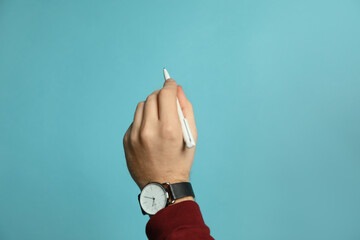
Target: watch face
<point>153,198</point>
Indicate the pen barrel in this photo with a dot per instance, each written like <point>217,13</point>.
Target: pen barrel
<point>188,137</point>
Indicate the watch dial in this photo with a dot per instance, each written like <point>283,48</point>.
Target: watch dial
<point>153,198</point>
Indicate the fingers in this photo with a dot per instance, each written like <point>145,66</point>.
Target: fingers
<point>151,112</point>
<point>137,118</point>
<point>167,102</point>
<point>161,104</point>
<point>187,110</point>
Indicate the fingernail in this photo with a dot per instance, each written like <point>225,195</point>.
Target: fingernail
<point>170,80</point>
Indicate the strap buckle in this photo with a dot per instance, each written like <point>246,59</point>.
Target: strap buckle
<point>169,190</point>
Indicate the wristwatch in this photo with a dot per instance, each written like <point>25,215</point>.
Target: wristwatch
<point>156,196</point>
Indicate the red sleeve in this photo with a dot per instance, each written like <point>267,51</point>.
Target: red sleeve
<point>176,222</point>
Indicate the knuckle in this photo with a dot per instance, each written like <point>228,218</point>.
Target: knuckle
<point>150,97</point>
<point>133,138</point>
<point>146,135</point>
<point>164,93</point>
<point>126,135</point>
<point>169,132</point>
<point>125,139</point>
<point>140,104</point>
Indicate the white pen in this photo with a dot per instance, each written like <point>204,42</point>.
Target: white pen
<point>188,138</point>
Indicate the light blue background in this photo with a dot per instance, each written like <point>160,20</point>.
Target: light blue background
<point>276,93</point>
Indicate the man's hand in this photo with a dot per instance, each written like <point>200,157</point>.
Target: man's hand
<point>154,147</point>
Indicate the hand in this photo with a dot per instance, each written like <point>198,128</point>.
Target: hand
<point>154,147</point>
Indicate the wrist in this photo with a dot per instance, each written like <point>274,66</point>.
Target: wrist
<point>156,196</point>
<point>188,198</point>
<point>172,180</point>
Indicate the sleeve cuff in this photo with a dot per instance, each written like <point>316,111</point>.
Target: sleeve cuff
<point>164,222</point>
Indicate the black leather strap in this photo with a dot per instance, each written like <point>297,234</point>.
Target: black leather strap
<point>180,190</point>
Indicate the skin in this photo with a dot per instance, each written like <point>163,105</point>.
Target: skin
<point>154,147</point>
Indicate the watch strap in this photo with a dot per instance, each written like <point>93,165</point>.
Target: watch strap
<point>180,190</point>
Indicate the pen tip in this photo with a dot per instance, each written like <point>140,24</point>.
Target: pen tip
<point>166,74</point>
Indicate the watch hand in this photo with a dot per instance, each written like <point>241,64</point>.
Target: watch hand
<point>149,197</point>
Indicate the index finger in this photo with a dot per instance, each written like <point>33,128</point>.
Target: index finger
<point>167,102</point>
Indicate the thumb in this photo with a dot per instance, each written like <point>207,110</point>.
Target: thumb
<point>187,110</point>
